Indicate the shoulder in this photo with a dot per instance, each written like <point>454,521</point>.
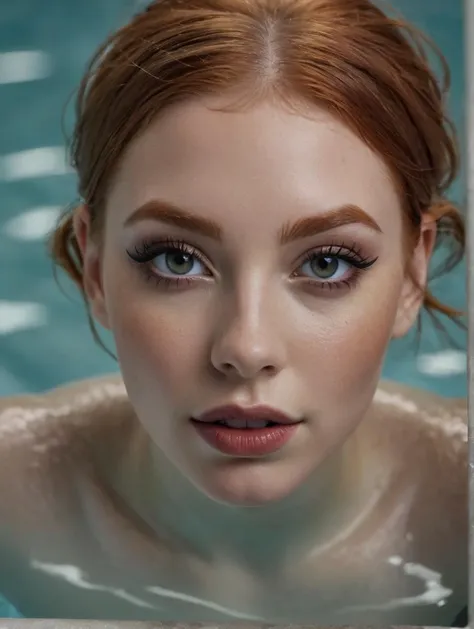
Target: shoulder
<point>417,413</point>
<point>42,420</point>
<point>428,436</point>
<point>46,438</point>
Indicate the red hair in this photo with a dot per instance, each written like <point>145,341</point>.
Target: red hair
<point>366,68</point>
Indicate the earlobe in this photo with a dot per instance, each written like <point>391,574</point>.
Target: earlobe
<point>91,265</point>
<point>416,278</point>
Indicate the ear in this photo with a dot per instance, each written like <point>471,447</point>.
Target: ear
<point>416,278</point>
<point>92,265</point>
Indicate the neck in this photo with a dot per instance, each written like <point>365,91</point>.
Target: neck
<point>260,538</point>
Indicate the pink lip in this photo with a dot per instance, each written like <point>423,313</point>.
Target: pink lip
<point>232,411</point>
<point>245,441</point>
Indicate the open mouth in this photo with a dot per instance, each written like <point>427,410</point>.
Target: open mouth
<point>246,431</point>
<point>245,424</point>
<point>252,418</point>
<point>246,436</point>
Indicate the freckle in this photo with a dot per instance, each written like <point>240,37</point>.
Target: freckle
<point>40,447</point>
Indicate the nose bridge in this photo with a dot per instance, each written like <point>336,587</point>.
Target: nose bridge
<point>247,340</point>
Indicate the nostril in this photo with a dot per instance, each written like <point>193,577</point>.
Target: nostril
<point>230,368</point>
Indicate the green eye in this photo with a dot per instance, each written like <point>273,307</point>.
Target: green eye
<point>174,261</point>
<point>324,266</point>
<point>179,262</point>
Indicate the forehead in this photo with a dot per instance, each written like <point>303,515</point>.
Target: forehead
<point>267,157</point>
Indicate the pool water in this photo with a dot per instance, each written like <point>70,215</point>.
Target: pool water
<point>44,337</point>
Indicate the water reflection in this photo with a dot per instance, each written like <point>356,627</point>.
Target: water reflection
<point>434,594</point>
<point>76,577</point>
<point>36,181</point>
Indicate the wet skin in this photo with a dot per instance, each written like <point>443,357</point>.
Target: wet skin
<point>252,257</point>
<point>72,547</point>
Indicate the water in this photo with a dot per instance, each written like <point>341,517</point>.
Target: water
<point>44,337</point>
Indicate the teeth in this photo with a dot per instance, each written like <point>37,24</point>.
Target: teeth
<point>234,423</point>
<point>242,423</point>
<point>259,423</point>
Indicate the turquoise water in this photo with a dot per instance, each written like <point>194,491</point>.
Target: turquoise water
<point>44,337</point>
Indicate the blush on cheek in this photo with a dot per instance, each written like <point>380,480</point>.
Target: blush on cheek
<point>145,371</point>
<point>345,362</point>
<point>144,349</point>
<point>160,352</point>
<point>361,353</point>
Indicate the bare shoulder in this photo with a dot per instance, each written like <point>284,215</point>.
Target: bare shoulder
<point>403,395</point>
<point>428,436</point>
<point>41,421</point>
<point>45,438</point>
<point>421,416</point>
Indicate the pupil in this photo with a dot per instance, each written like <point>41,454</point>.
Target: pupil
<point>179,262</point>
<point>324,266</point>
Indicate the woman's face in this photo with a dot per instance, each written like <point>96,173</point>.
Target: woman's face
<point>271,271</point>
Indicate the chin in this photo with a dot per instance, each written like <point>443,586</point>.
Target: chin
<point>247,483</point>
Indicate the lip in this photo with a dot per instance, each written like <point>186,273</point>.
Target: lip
<point>246,442</point>
<point>233,411</point>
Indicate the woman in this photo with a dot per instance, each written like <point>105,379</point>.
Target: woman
<point>262,187</point>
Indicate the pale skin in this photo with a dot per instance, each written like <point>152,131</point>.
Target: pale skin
<point>122,486</point>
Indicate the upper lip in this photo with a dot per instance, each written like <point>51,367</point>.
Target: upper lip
<point>232,411</point>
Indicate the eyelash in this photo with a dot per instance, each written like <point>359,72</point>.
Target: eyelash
<point>149,250</point>
<point>352,255</point>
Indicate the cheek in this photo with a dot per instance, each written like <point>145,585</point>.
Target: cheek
<point>160,343</point>
<point>165,346</point>
<point>344,355</point>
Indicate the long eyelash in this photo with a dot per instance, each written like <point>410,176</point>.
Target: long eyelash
<point>148,250</point>
<point>351,254</point>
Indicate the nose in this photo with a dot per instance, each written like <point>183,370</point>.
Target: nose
<point>247,343</point>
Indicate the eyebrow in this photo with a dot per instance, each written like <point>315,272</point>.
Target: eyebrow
<point>169,213</point>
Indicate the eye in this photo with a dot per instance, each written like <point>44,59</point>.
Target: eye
<point>177,262</point>
<point>333,266</point>
<point>326,267</point>
<point>174,262</point>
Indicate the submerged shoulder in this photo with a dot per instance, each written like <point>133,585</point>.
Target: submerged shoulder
<point>58,414</point>
<point>428,437</point>
<point>45,437</point>
<point>418,414</point>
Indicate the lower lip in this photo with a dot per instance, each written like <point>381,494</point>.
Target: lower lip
<point>245,442</point>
